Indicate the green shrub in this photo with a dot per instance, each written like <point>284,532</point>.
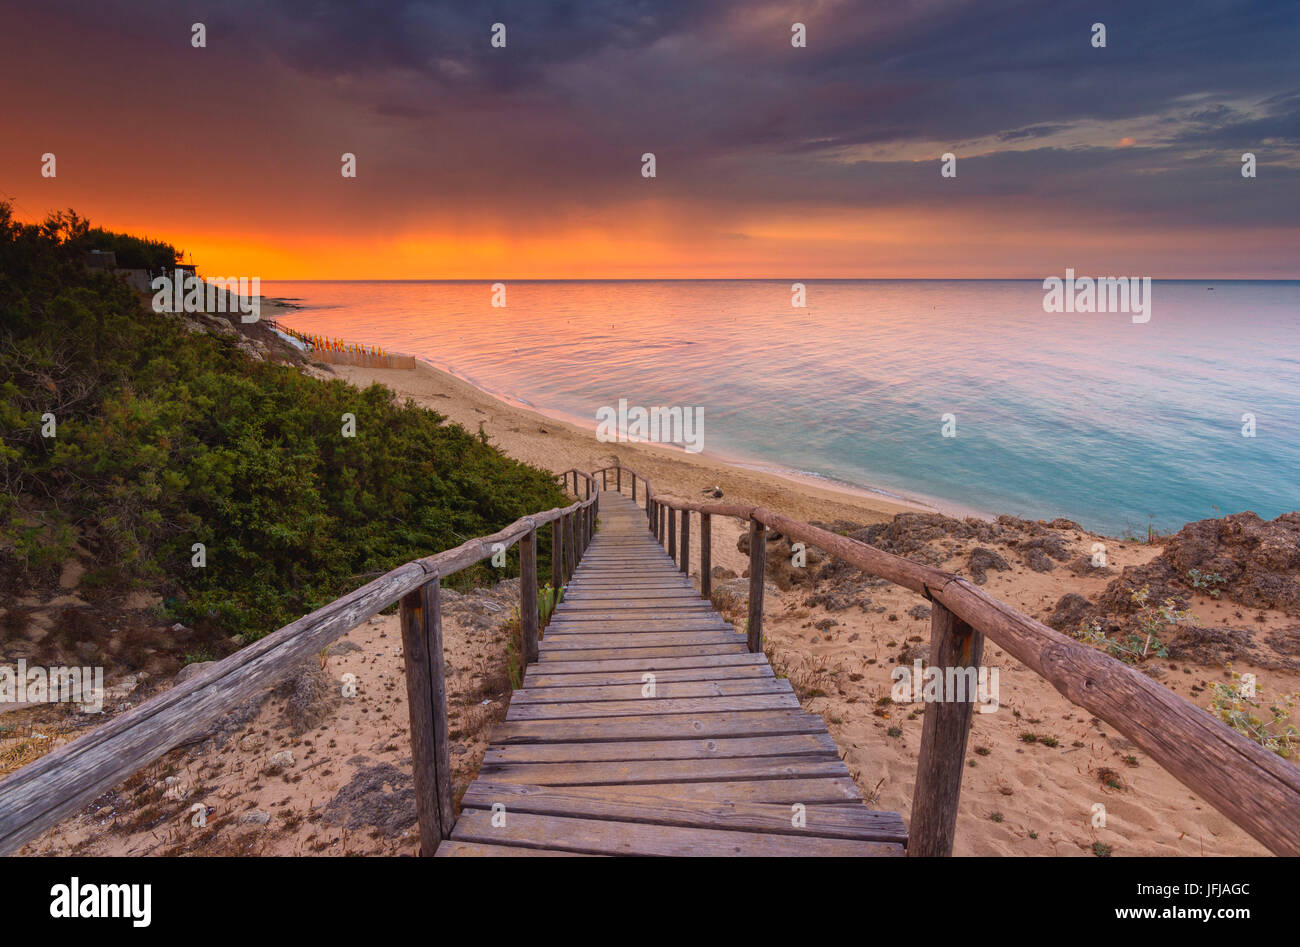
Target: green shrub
<point>167,438</point>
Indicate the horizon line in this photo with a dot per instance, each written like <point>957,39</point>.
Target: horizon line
<point>767,279</point>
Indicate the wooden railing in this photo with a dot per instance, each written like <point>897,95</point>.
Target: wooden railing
<point>43,792</point>
<point>1256,789</point>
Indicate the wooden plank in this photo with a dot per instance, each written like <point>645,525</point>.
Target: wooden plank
<point>537,680</point>
<point>603,654</point>
<point>627,772</point>
<point>825,791</point>
<point>654,705</point>
<point>658,726</point>
<point>692,662</point>
<point>684,612</point>
<point>576,641</point>
<point>458,849</point>
<point>662,689</point>
<point>639,625</point>
<point>644,805</point>
<point>603,837</point>
<point>621,594</point>
<point>796,744</point>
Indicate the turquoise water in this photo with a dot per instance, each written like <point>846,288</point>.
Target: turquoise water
<point>1087,416</point>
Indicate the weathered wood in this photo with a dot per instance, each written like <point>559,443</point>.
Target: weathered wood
<point>604,837</point>
<point>672,535</point>
<point>592,617</point>
<point>953,645</point>
<point>633,772</point>
<point>579,709</point>
<point>608,654</point>
<point>570,557</point>
<point>456,848</point>
<point>743,659</point>
<point>645,804</point>
<point>708,621</point>
<point>799,744</point>
<point>426,695</point>
<point>661,689</point>
<point>757,570</point>
<point>39,794</point>
<point>1256,789</point>
<point>557,555</point>
<point>706,556</point>
<point>653,726</point>
<point>528,616</point>
<point>574,641</point>
<point>686,542</point>
<point>540,680</point>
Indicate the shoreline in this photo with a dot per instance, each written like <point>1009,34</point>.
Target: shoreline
<point>556,442</point>
<point>803,478</point>
<point>876,501</point>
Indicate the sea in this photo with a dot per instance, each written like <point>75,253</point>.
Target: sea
<point>965,394</point>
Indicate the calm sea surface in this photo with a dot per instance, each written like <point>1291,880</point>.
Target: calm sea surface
<point>1088,416</point>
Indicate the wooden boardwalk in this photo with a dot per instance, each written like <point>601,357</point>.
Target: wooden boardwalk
<point>647,728</point>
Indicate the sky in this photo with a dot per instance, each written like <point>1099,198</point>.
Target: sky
<point>771,160</point>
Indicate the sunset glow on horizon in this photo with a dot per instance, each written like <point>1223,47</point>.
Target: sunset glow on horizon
<point>772,161</point>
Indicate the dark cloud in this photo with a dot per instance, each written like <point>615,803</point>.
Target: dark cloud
<point>553,126</point>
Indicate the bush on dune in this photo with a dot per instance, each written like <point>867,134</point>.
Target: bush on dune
<point>166,438</point>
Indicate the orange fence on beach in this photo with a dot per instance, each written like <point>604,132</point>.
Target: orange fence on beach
<point>340,352</point>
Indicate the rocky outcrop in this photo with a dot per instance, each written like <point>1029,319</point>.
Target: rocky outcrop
<point>1258,562</point>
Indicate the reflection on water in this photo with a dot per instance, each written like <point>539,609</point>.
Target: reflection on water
<point>1088,416</point>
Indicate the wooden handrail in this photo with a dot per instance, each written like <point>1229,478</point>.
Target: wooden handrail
<point>1253,787</point>
<point>41,793</point>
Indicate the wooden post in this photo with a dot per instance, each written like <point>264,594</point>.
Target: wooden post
<point>663,531</point>
<point>569,561</point>
<point>954,647</point>
<point>757,565</point>
<point>672,532</point>
<point>557,554</point>
<point>528,594</point>
<point>634,489</point>
<point>604,479</point>
<point>686,542</point>
<point>706,556</point>
<point>426,699</point>
<point>618,481</point>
